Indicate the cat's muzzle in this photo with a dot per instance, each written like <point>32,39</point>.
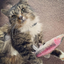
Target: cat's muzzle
<point>20,17</point>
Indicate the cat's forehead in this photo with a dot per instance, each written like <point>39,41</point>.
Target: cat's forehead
<point>14,9</point>
<point>17,8</point>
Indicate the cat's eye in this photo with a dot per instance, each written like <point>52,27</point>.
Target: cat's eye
<point>14,16</point>
<point>23,10</point>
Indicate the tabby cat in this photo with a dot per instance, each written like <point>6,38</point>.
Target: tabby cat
<point>25,31</point>
<point>23,36</point>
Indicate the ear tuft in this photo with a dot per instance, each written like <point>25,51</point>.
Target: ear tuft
<point>4,11</point>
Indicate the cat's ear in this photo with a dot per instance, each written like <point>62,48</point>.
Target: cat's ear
<point>4,11</point>
<point>23,1</point>
<point>9,6</point>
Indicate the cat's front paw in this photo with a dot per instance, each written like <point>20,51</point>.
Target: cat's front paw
<point>36,48</point>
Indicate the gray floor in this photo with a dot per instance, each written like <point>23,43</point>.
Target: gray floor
<point>51,13</point>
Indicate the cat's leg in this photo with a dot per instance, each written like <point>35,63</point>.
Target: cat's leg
<point>41,42</point>
<point>3,33</point>
<point>58,53</point>
<point>38,39</point>
<point>3,48</point>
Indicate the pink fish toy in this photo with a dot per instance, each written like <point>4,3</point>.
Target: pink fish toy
<point>49,46</point>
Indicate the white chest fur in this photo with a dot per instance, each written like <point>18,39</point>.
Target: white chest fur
<point>34,30</point>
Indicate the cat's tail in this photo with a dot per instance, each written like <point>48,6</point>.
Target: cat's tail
<point>59,54</point>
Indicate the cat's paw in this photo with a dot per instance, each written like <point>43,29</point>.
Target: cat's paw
<point>62,56</point>
<point>36,48</point>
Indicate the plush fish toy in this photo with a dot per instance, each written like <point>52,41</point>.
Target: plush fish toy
<point>49,46</point>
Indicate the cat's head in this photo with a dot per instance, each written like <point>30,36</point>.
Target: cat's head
<point>19,13</point>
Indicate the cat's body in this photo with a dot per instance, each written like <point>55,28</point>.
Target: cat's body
<point>25,31</point>
<point>22,42</point>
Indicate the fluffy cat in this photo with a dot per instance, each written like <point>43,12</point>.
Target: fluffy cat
<point>25,27</point>
<point>25,31</point>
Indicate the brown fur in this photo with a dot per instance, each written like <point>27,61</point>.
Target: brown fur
<point>21,15</point>
<point>25,31</point>
<point>12,59</point>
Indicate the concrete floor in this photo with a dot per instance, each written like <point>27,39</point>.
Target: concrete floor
<point>51,13</point>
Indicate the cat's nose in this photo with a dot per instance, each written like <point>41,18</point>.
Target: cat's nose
<point>20,17</point>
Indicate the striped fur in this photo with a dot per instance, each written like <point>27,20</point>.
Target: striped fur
<point>25,31</point>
